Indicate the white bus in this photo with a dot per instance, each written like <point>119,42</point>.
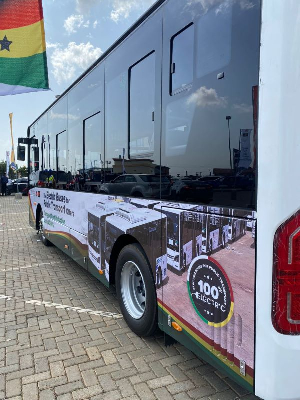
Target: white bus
<point>198,99</point>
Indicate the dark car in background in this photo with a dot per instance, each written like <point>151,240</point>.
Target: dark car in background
<point>212,180</point>
<point>19,185</point>
<point>186,189</point>
<point>138,185</point>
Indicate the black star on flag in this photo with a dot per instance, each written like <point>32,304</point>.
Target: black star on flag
<point>5,44</point>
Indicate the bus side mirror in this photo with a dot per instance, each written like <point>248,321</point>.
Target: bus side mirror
<point>21,153</point>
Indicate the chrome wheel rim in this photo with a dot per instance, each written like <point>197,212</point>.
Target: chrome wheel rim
<point>133,290</point>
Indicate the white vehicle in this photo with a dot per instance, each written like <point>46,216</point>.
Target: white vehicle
<point>193,89</point>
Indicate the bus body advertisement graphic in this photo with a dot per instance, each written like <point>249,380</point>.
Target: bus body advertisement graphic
<point>96,233</point>
<point>174,239</point>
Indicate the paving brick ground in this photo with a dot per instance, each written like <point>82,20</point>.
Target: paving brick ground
<point>62,351</point>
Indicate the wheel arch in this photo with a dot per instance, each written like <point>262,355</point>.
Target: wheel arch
<point>121,242</point>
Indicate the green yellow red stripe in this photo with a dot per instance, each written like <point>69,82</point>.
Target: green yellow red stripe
<point>81,247</point>
<point>207,344</point>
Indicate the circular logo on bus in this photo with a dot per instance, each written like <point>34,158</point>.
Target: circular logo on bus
<point>210,291</point>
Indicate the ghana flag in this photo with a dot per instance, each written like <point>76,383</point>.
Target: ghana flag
<point>23,62</point>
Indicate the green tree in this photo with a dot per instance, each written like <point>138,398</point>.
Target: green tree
<point>11,173</point>
<point>23,171</point>
<point>2,167</point>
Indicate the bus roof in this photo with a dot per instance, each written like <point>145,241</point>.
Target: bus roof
<point>151,10</point>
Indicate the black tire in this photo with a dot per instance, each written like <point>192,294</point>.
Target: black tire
<point>146,324</point>
<point>44,240</point>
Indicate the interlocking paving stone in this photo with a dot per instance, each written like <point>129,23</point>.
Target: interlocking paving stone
<point>50,350</point>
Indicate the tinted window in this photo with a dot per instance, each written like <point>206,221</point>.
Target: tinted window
<point>142,97</point>
<point>150,178</point>
<point>93,150</point>
<point>57,122</point>
<point>182,48</point>
<point>116,126</point>
<point>84,100</point>
<point>213,45</point>
<point>209,130</point>
<point>130,178</point>
<point>120,179</point>
<point>61,143</point>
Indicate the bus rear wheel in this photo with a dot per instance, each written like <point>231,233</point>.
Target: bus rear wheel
<point>136,290</point>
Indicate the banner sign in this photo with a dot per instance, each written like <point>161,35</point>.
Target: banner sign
<point>7,162</point>
<point>245,154</point>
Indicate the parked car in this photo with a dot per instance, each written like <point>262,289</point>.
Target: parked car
<point>213,180</point>
<point>244,182</point>
<point>19,185</point>
<point>138,185</point>
<point>191,189</point>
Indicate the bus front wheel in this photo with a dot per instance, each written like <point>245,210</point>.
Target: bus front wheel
<point>44,240</point>
<point>136,290</point>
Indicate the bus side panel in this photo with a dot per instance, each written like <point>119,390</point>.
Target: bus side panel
<point>212,299</point>
<point>66,224</point>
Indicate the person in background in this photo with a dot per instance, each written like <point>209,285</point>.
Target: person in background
<point>4,181</point>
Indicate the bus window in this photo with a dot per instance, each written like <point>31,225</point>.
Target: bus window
<point>61,151</point>
<point>213,45</point>
<point>182,56</point>
<point>116,121</point>
<point>93,150</point>
<point>208,129</point>
<point>141,103</point>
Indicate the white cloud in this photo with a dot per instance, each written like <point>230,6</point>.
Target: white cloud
<point>95,23</point>
<point>52,45</point>
<point>204,97</point>
<point>243,108</point>
<point>247,4</point>
<point>123,8</point>
<point>222,4</point>
<point>84,6</point>
<point>54,115</point>
<point>72,23</point>
<point>120,9</point>
<point>68,62</point>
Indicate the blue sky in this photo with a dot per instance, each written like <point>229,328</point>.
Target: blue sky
<point>77,33</point>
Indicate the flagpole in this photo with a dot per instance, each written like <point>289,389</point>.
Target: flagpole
<point>12,154</point>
